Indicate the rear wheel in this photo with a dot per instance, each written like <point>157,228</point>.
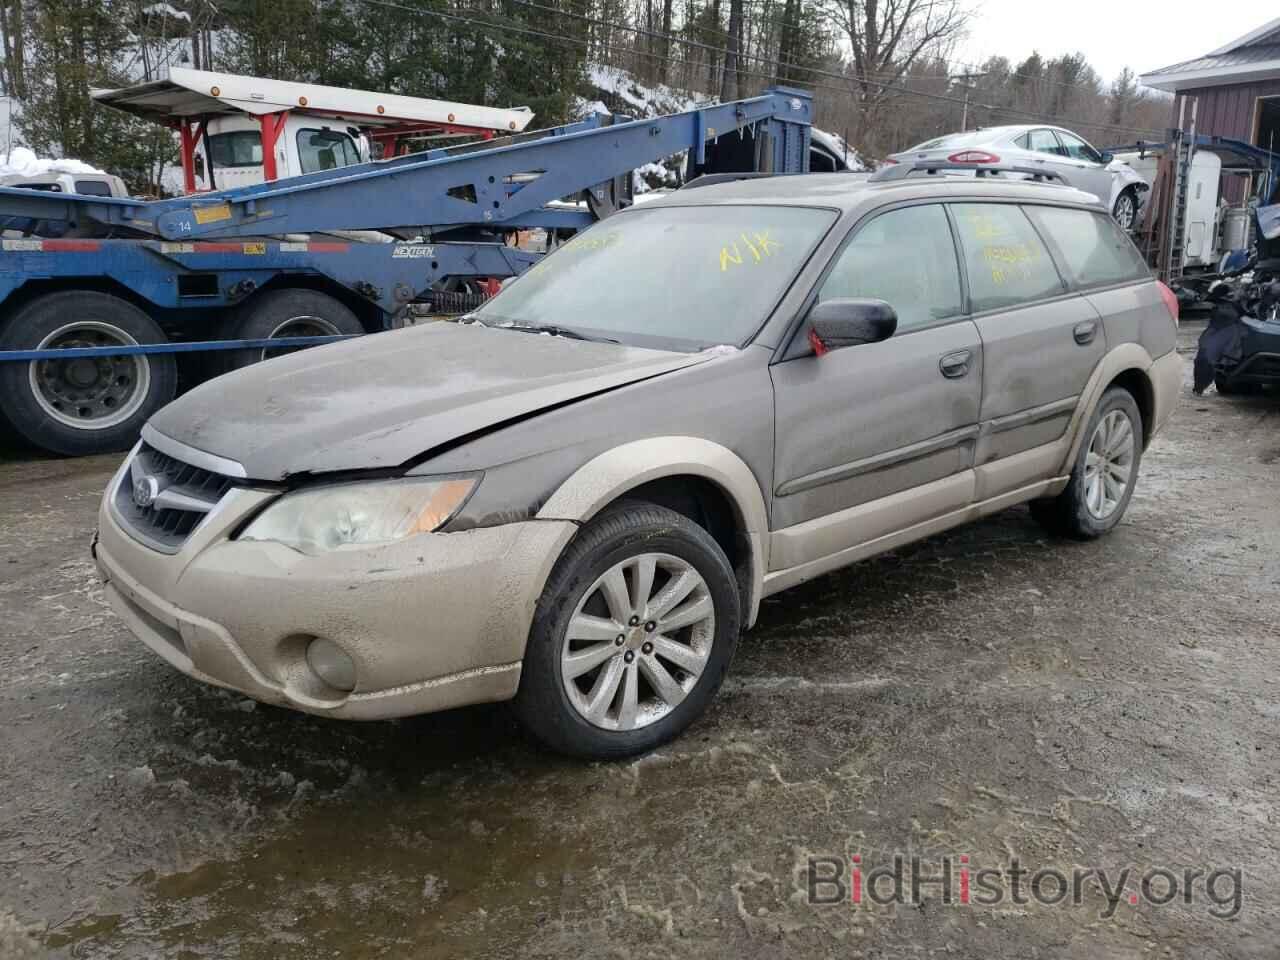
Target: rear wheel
<point>286,313</point>
<point>89,404</point>
<point>1104,475</point>
<point>632,636</point>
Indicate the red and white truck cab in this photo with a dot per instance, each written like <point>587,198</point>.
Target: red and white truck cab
<point>239,130</point>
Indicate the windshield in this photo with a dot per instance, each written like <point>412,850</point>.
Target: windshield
<point>673,277</point>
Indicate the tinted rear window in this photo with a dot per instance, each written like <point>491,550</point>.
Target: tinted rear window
<point>1093,249</point>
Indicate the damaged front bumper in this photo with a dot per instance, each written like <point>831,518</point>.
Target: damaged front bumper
<point>435,621</point>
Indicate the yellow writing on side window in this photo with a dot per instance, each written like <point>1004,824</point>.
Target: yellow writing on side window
<point>757,246</point>
<point>1008,262</point>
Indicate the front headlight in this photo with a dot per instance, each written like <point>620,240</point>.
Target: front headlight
<point>360,514</point>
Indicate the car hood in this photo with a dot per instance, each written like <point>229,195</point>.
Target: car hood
<point>382,400</point>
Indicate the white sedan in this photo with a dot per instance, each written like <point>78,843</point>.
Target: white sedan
<point>1112,181</point>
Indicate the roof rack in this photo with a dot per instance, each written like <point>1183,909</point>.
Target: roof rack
<point>900,171</point>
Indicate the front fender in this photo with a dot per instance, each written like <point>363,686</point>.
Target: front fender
<point>611,474</point>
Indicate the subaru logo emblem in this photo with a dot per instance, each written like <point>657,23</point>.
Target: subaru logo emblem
<point>145,491</point>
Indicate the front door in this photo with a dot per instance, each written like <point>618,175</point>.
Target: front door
<point>866,422</point>
<point>1085,166</point>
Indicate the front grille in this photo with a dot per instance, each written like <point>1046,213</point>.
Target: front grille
<point>172,501</point>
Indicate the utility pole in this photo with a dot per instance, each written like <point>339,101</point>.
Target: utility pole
<point>966,81</point>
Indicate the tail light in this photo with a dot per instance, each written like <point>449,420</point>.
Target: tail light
<point>973,156</point>
<point>1170,300</point>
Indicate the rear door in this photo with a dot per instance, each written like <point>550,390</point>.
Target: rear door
<point>1040,341</point>
<point>866,422</point>
<point>1102,263</point>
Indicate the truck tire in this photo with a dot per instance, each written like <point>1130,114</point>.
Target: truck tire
<point>285,313</point>
<point>632,636</point>
<point>88,405</point>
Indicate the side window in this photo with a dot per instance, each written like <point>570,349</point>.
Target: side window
<point>905,257</point>
<point>1094,250</point>
<point>325,150</point>
<point>240,149</point>
<point>1006,261</point>
<point>1042,141</point>
<point>1077,149</point>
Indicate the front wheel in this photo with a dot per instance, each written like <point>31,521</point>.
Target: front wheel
<point>1125,211</point>
<point>632,636</point>
<point>1104,475</point>
<point>88,404</point>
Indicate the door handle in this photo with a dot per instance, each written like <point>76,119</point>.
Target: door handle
<point>1085,332</point>
<point>955,365</point>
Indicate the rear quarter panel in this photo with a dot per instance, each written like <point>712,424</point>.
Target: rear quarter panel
<point>1136,314</point>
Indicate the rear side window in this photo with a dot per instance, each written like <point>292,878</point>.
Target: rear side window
<point>240,149</point>
<point>1006,262</point>
<point>1042,141</point>
<point>1093,249</point>
<point>905,257</point>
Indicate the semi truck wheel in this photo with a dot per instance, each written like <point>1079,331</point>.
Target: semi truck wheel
<point>85,405</point>
<point>286,313</point>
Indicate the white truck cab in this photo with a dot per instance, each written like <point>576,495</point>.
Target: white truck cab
<point>230,152</point>
<point>239,130</point>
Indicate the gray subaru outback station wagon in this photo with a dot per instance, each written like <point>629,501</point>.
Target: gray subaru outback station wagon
<point>576,497</point>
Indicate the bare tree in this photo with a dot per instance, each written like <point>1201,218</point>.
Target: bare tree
<point>886,39</point>
<point>730,81</point>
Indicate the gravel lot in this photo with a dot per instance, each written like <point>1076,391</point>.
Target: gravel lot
<point>988,693</point>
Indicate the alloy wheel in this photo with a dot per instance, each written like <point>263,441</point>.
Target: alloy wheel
<point>638,641</point>
<point>1108,465</point>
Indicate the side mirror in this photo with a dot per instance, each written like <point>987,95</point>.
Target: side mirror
<point>1106,157</point>
<point>846,323</point>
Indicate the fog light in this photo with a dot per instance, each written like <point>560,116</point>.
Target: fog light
<point>331,664</point>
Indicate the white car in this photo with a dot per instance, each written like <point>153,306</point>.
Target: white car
<point>1114,182</point>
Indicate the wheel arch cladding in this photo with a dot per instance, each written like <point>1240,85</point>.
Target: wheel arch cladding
<point>1139,385</point>
<point>1125,360</point>
<point>654,469</point>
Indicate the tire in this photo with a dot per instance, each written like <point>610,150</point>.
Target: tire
<point>1229,389</point>
<point>285,313</point>
<point>1077,512</point>
<point>1125,211</point>
<point>554,704</point>
<point>85,406</point>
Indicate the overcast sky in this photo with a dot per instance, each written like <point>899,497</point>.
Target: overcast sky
<point>1112,34</point>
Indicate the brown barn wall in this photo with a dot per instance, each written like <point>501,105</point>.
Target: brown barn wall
<point>1227,112</point>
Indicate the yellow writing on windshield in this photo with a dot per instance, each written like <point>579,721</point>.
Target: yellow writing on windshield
<point>756,247</point>
<point>593,241</point>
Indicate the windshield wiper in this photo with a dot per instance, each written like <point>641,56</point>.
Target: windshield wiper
<point>549,328</point>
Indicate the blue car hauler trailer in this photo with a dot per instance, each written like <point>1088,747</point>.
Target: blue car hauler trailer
<point>100,296</point>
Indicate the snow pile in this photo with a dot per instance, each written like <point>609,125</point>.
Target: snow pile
<point>647,101</point>
<point>586,108</point>
<point>652,176</point>
<point>164,10</point>
<point>23,162</point>
<point>838,147</point>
